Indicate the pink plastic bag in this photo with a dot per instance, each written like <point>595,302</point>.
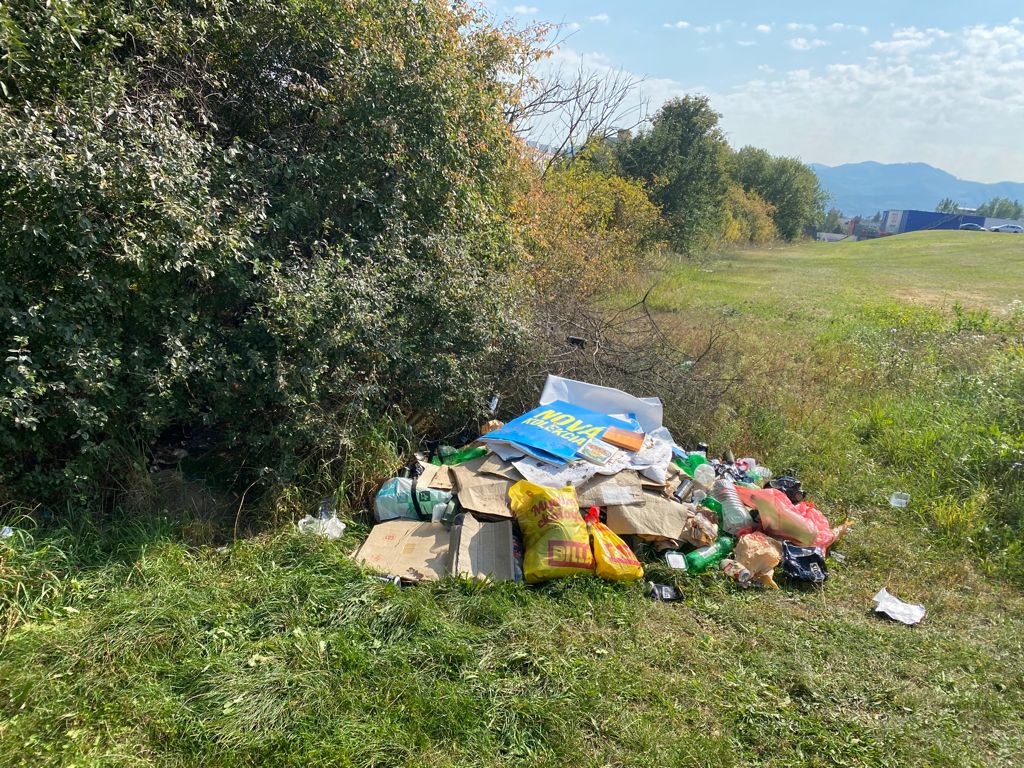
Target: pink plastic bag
<point>779,517</point>
<point>810,512</point>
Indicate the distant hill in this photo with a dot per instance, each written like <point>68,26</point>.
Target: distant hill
<point>864,188</point>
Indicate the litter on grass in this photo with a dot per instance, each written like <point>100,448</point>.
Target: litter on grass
<point>591,483</point>
<point>896,609</point>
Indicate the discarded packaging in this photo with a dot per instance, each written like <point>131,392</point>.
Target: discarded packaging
<point>597,451</point>
<point>556,538</point>
<point>899,499</point>
<point>600,449</point>
<point>675,560</point>
<point>484,493</point>
<point>663,593</point>
<point>411,550</point>
<point>624,438</point>
<point>803,563</point>
<point>779,517</point>
<point>623,489</point>
<point>407,497</point>
<point>700,560</point>
<point>759,554</point>
<point>553,432</point>
<point>613,559</point>
<point>736,571</point>
<point>790,486</point>
<point>646,410</point>
<point>331,528</point>
<point>483,551</point>
<point>894,608</point>
<point>326,522</point>
<point>735,517</point>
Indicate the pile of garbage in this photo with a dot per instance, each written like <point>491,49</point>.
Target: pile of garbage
<point>591,482</point>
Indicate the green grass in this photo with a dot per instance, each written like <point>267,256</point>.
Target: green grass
<point>801,285</point>
<point>859,371</point>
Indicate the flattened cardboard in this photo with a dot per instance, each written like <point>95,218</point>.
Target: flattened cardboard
<point>442,479</point>
<point>427,473</point>
<point>658,516</point>
<point>485,494</point>
<point>495,465</point>
<point>622,489</point>
<point>482,550</point>
<point>409,549</point>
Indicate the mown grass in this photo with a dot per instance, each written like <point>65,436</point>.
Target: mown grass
<point>134,648</point>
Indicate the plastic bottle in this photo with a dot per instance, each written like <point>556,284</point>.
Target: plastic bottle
<point>735,517</point>
<point>704,474</point>
<point>449,456</point>
<point>701,559</point>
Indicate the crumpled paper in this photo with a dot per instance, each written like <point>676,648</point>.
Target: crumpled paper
<point>894,608</point>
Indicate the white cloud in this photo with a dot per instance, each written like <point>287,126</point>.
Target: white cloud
<point>805,27</point>
<point>840,27</point>
<point>765,68</point>
<point>955,103</point>
<point>524,9</point>
<point>910,39</point>
<point>764,28</point>
<point>676,25</point>
<point>745,43</point>
<point>803,44</point>
<point>601,18</point>
<point>702,30</point>
<point>573,26</point>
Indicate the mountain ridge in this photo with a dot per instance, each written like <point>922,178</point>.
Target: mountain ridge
<point>861,189</point>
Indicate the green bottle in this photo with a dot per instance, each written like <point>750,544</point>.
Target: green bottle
<point>449,456</point>
<point>701,559</point>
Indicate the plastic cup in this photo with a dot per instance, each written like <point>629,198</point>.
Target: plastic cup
<point>899,499</point>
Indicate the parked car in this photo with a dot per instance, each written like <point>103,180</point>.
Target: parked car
<point>973,227</point>
<point>1014,228</point>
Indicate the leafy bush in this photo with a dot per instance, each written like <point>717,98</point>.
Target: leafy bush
<point>586,227</point>
<point>748,218</point>
<point>261,224</point>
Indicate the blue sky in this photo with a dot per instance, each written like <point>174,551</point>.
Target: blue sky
<point>941,82</point>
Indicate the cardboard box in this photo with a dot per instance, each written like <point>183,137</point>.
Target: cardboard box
<point>482,550</point>
<point>409,549</point>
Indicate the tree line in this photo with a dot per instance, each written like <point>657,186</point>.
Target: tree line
<point>996,208</point>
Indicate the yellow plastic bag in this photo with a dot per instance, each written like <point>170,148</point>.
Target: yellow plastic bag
<point>615,560</point>
<point>555,536</point>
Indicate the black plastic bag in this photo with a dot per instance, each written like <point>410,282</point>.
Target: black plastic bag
<point>803,563</point>
<point>790,486</point>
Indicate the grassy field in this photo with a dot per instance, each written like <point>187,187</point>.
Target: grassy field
<point>865,367</point>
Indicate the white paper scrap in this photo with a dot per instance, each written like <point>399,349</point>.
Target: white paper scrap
<point>555,476</point>
<point>894,608</point>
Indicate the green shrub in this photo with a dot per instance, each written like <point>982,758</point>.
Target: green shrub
<point>263,224</point>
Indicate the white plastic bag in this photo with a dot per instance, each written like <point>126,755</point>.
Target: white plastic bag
<point>330,528</point>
